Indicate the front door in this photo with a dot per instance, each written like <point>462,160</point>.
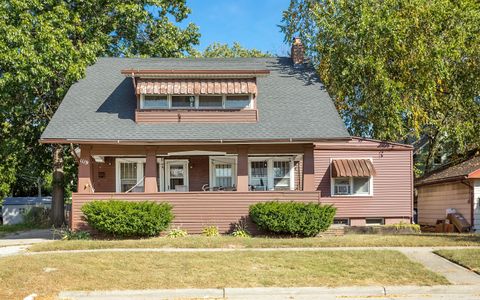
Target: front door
<point>176,175</point>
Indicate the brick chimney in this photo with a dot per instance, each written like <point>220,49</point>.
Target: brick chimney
<point>298,51</point>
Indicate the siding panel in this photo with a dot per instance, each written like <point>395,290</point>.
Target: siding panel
<point>392,185</point>
<point>433,200</point>
<point>193,211</point>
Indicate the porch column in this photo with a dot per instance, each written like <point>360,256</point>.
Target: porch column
<point>84,185</point>
<point>308,169</point>
<point>242,169</point>
<point>151,171</point>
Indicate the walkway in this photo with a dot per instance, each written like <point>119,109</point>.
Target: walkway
<point>16,243</point>
<point>351,293</point>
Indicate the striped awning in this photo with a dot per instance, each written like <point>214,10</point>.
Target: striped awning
<point>352,168</point>
<point>196,86</point>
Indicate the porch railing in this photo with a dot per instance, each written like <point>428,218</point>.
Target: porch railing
<point>195,210</point>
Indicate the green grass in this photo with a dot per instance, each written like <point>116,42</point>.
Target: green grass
<point>353,240</point>
<point>468,258</point>
<point>6,229</point>
<point>22,275</point>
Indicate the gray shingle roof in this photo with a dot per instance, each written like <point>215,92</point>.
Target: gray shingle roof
<point>291,103</point>
<point>452,171</point>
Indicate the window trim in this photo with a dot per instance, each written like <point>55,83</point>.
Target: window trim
<point>234,158</point>
<point>197,102</point>
<point>140,161</point>
<point>332,181</point>
<point>270,175</point>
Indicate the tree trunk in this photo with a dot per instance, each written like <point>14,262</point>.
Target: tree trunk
<point>58,206</point>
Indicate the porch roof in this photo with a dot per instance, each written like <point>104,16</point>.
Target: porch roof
<point>291,103</point>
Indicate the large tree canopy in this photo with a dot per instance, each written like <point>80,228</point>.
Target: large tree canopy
<point>45,47</point>
<point>224,50</point>
<point>398,69</point>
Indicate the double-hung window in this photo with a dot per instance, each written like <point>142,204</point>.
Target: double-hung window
<point>271,173</point>
<point>130,174</point>
<point>223,171</point>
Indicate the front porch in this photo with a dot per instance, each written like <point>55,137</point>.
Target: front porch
<point>206,184</point>
<point>151,169</point>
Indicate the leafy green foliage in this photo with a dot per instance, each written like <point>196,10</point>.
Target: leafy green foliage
<point>240,228</point>
<point>405,226</point>
<point>210,231</point>
<point>299,219</point>
<point>37,217</point>
<point>224,50</point>
<point>76,235</point>
<point>398,70</point>
<point>46,47</point>
<point>128,219</point>
<point>177,233</point>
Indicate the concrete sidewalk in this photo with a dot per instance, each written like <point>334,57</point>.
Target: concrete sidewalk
<point>27,237</point>
<point>454,273</point>
<point>351,293</point>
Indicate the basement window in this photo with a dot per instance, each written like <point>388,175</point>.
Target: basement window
<point>374,221</point>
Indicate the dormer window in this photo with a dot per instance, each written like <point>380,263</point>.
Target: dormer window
<point>210,101</point>
<point>154,102</point>
<point>238,101</point>
<point>229,102</point>
<point>187,101</point>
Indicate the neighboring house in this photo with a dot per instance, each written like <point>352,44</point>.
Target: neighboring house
<point>13,208</point>
<point>455,186</point>
<point>213,135</point>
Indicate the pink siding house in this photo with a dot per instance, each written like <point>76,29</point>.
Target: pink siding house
<point>213,136</point>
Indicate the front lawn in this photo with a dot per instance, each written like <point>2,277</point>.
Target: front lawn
<point>353,240</point>
<point>48,274</point>
<point>469,258</point>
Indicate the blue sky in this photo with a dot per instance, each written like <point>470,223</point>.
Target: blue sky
<point>252,23</point>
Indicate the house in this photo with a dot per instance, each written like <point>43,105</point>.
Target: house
<point>13,208</point>
<point>212,136</point>
<point>454,186</point>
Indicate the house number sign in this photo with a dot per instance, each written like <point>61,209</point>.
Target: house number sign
<point>84,161</point>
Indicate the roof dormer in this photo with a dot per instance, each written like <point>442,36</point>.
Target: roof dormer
<point>206,96</point>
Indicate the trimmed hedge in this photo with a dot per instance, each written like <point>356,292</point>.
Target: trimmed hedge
<point>299,219</point>
<point>128,219</point>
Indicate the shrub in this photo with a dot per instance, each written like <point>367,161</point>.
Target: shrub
<point>37,217</point>
<point>210,231</point>
<point>299,219</point>
<point>241,233</point>
<point>177,233</point>
<point>128,219</point>
<point>404,226</point>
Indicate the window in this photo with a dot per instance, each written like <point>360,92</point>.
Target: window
<point>154,102</point>
<point>281,175</point>
<point>183,101</point>
<point>237,101</point>
<point>374,221</point>
<point>130,174</point>
<point>258,175</point>
<point>195,101</point>
<point>271,173</point>
<point>210,101</point>
<point>356,186</point>
<point>341,221</point>
<point>223,171</point>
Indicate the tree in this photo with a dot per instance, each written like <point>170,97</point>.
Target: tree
<point>398,69</point>
<point>224,50</point>
<point>46,47</point>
